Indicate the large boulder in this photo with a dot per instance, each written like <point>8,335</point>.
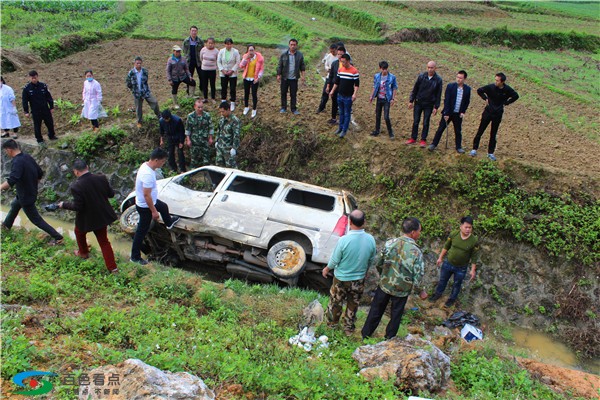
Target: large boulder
<point>135,380</point>
<point>415,364</point>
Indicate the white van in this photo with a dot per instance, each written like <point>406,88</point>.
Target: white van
<point>258,226</point>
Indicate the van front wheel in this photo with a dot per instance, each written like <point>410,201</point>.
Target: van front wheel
<point>286,259</point>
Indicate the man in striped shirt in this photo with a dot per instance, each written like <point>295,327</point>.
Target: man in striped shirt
<point>346,83</point>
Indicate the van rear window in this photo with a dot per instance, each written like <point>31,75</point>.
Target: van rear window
<point>311,199</point>
<point>253,186</point>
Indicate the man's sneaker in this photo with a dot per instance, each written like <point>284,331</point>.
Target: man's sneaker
<point>139,125</point>
<point>114,271</point>
<point>320,110</point>
<point>296,112</point>
<point>141,261</point>
<point>348,332</point>
<point>332,121</point>
<point>174,220</point>
<point>492,157</point>
<point>253,113</point>
<point>56,242</point>
<point>435,297</point>
<point>42,144</point>
<point>473,153</point>
<point>15,136</point>
<point>460,150</point>
<point>410,141</point>
<point>5,135</point>
<point>423,143</point>
<point>342,135</point>
<point>374,133</point>
<point>246,109</point>
<point>392,137</point>
<point>449,303</point>
<point>431,147</point>
<point>283,111</point>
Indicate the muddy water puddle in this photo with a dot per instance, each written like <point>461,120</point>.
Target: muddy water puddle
<point>547,350</point>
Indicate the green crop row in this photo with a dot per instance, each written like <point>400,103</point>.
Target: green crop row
<point>58,6</point>
<point>336,11</point>
<point>56,35</point>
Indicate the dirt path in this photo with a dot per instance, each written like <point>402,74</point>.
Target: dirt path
<point>526,136</point>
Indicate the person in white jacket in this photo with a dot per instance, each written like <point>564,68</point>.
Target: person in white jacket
<point>9,119</point>
<point>92,100</point>
<point>228,61</point>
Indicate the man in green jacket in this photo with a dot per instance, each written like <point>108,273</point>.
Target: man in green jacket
<point>462,248</point>
<point>401,268</point>
<point>353,255</point>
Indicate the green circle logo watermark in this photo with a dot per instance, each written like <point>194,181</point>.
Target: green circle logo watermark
<point>38,386</point>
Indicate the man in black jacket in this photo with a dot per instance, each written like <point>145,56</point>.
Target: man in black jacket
<point>172,128</point>
<point>291,68</point>
<point>456,101</point>
<point>93,212</point>
<point>25,174</point>
<point>496,96</point>
<point>425,97</point>
<point>335,65</point>
<point>36,94</point>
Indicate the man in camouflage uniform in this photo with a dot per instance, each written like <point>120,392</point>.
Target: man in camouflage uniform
<point>351,258</point>
<point>199,135</point>
<point>401,268</point>
<point>228,137</point>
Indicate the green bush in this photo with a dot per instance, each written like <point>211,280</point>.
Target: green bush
<point>489,377</point>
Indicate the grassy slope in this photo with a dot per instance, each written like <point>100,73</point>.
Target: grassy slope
<point>172,319</point>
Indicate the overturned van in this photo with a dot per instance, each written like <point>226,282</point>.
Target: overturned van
<point>258,227</point>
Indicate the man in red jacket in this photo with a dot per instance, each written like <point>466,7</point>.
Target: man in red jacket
<point>94,213</point>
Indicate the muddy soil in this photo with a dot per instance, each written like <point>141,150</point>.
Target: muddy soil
<point>526,137</point>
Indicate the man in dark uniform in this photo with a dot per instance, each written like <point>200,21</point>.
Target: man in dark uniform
<point>496,96</point>
<point>171,128</point>
<point>36,94</point>
<point>93,211</point>
<point>25,174</point>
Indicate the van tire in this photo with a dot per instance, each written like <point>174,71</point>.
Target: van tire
<point>129,220</point>
<point>286,259</point>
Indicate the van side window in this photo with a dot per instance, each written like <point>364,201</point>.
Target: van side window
<point>202,181</point>
<point>255,187</point>
<point>310,199</point>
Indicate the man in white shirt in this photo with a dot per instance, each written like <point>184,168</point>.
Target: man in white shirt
<point>327,60</point>
<point>147,204</point>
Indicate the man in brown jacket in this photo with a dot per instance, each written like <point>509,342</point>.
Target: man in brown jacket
<point>94,213</point>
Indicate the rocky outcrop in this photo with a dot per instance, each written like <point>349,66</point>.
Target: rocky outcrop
<point>135,380</point>
<point>415,364</point>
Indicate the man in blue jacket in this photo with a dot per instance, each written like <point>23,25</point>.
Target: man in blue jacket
<point>456,102</point>
<point>385,88</point>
